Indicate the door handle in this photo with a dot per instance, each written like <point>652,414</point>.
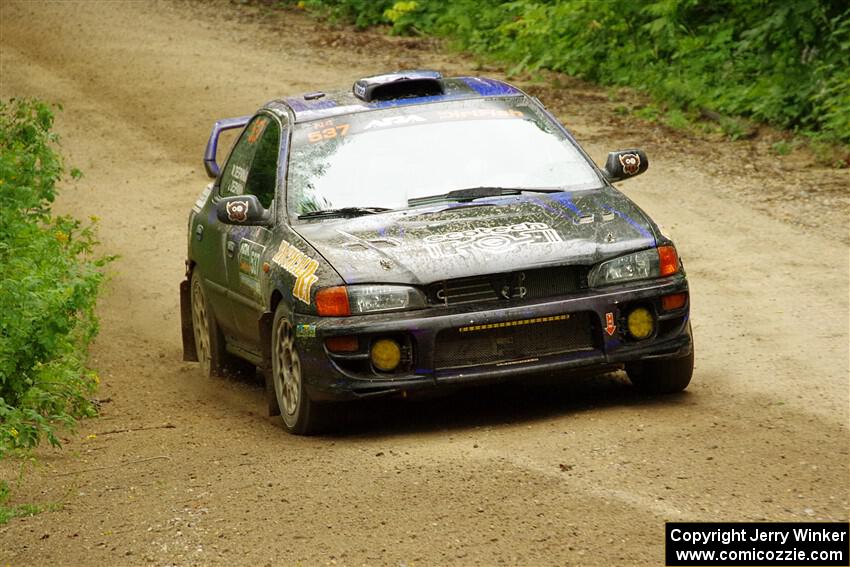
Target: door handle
<point>231,248</point>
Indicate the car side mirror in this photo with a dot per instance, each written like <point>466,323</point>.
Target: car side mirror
<point>244,210</point>
<point>623,164</point>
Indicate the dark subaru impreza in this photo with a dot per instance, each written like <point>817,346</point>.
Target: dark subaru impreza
<point>417,231</point>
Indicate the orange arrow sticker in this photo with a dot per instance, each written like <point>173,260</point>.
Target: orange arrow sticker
<point>610,327</point>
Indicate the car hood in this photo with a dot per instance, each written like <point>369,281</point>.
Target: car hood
<point>496,235</point>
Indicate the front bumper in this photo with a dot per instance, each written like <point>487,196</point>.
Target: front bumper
<point>329,376</point>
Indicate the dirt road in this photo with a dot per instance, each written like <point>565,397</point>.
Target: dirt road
<point>183,471</point>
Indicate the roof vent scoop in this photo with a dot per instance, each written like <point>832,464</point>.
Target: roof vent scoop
<point>399,85</point>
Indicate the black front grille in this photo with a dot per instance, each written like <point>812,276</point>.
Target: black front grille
<point>528,284</point>
<point>513,340</point>
<point>552,282</point>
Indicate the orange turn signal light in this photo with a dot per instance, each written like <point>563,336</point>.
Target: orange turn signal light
<point>668,260</point>
<point>332,302</point>
<point>342,344</point>
<point>674,301</point>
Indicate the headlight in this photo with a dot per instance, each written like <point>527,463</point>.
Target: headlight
<point>652,263</point>
<point>358,299</point>
<point>373,298</point>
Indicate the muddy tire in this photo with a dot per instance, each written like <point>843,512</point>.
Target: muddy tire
<point>300,414</point>
<point>663,376</point>
<point>209,341</point>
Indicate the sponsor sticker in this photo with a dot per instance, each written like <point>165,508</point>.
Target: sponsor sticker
<point>630,163</point>
<point>494,239</point>
<point>480,113</point>
<point>249,263</point>
<point>394,121</point>
<point>307,330</point>
<point>295,262</point>
<point>237,211</point>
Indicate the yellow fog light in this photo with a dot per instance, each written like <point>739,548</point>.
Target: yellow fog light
<point>641,323</point>
<point>386,355</point>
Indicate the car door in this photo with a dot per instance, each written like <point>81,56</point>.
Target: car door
<point>213,253</point>
<point>220,250</point>
<point>248,246</point>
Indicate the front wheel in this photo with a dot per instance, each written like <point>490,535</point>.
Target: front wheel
<point>300,414</point>
<point>662,376</point>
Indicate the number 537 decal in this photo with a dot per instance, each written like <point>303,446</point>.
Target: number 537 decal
<point>328,133</point>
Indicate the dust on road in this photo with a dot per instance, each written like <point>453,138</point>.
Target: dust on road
<point>578,471</point>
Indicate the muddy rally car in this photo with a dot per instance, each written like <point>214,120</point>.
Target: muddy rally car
<point>419,232</point>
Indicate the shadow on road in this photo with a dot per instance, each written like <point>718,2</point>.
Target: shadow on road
<point>521,400</point>
<point>524,400</point>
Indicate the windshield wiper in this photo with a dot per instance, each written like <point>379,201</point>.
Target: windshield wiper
<point>473,193</point>
<point>343,212</point>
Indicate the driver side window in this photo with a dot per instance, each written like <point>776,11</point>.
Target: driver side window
<point>252,167</point>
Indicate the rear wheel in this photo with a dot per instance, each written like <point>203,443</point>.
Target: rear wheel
<point>209,342</point>
<point>300,414</point>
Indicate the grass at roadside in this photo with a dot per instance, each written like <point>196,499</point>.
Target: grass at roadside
<point>49,282</point>
<point>10,511</point>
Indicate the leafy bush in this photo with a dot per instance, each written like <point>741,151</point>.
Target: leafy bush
<point>784,63</point>
<point>49,282</point>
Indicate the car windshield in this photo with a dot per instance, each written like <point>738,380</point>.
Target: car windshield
<point>390,159</point>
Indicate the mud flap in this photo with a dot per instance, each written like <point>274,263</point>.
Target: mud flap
<point>189,352</point>
<point>265,366</point>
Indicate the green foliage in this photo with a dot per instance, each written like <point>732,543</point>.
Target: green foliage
<point>783,63</point>
<point>48,286</point>
<point>362,13</point>
<point>404,16</point>
<point>675,118</point>
<point>8,512</point>
<point>782,147</point>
